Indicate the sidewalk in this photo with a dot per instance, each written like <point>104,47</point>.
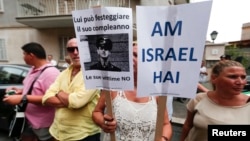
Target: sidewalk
<point>179,116</point>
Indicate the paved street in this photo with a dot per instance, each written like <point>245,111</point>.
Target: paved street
<point>178,116</point>
<point>179,109</point>
<point>4,136</point>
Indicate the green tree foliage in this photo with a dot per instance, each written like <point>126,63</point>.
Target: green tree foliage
<point>238,53</point>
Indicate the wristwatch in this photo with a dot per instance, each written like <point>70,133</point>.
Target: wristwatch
<point>24,99</point>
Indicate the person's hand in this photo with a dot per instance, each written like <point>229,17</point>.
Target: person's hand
<point>109,124</point>
<point>13,99</point>
<point>63,97</point>
<point>17,91</point>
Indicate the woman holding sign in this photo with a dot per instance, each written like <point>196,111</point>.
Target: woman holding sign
<point>223,106</point>
<point>135,118</point>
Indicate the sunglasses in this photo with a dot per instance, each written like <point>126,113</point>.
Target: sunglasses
<point>72,49</point>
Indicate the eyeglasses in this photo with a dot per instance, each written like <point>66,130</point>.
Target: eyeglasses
<point>72,49</point>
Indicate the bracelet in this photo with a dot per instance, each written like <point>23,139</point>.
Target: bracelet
<point>165,138</point>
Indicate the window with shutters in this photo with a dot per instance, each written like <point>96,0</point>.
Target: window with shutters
<point>63,43</point>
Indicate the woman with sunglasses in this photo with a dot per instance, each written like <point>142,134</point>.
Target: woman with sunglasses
<point>74,104</point>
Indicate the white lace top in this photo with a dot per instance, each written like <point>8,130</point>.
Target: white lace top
<point>135,121</point>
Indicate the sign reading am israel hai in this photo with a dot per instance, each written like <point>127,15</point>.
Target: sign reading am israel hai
<point>171,42</point>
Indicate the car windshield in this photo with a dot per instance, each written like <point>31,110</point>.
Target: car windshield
<point>12,75</point>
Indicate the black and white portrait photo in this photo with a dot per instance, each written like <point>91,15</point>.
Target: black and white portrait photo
<point>109,52</point>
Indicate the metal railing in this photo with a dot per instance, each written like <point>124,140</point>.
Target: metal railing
<point>34,8</point>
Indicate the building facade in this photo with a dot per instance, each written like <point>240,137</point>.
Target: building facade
<point>49,22</point>
<point>238,50</point>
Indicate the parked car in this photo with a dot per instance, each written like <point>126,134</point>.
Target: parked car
<point>10,75</point>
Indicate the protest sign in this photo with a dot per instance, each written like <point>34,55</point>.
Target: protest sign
<point>171,42</point>
<point>104,37</point>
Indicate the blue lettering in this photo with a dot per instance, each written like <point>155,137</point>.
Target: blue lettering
<point>159,54</point>
<point>177,78</point>
<point>157,77</point>
<point>150,55</point>
<point>143,55</point>
<point>191,55</point>
<point>168,27</point>
<point>170,54</point>
<point>157,29</point>
<point>169,76</point>
<point>183,54</point>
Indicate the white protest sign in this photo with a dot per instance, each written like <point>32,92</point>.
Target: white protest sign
<point>171,42</point>
<point>104,37</point>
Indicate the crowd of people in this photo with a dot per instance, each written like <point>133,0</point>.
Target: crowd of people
<point>59,108</point>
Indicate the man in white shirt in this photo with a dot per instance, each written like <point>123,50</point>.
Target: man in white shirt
<point>203,73</point>
<point>51,60</point>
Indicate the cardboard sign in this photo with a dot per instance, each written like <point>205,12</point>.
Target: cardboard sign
<point>171,41</point>
<point>105,29</point>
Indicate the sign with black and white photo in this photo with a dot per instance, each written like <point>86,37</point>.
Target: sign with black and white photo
<point>104,38</point>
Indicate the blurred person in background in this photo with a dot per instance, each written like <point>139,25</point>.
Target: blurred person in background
<point>203,73</point>
<point>51,60</point>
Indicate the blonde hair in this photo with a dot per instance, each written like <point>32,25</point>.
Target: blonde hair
<point>221,65</point>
